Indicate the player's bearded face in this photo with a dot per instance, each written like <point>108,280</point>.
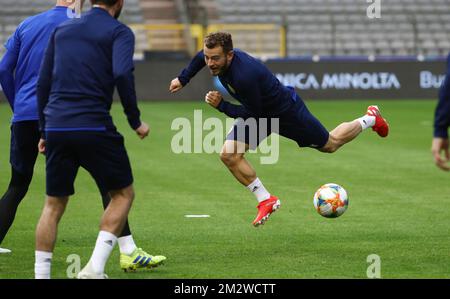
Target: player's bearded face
<point>216,60</point>
<point>221,68</point>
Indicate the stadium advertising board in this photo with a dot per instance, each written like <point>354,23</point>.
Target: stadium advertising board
<point>312,80</point>
<point>361,80</point>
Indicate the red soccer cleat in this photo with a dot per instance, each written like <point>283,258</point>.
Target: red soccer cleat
<point>381,126</point>
<point>265,208</point>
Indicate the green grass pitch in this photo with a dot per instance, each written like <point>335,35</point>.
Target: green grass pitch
<point>398,208</point>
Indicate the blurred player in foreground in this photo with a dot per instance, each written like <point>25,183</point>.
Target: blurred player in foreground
<point>263,96</point>
<point>85,59</point>
<point>440,144</point>
<point>19,70</point>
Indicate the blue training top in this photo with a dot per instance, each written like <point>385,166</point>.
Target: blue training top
<point>25,50</point>
<point>86,58</point>
<point>442,112</point>
<point>251,83</point>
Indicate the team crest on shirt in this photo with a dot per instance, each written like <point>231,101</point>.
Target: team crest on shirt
<point>231,88</point>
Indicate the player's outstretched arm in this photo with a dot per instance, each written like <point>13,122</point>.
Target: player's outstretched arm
<point>175,85</point>
<point>196,64</point>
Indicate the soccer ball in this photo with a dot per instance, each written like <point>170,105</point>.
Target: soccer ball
<point>331,200</point>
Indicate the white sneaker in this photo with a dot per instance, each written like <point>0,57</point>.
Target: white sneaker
<point>4,250</point>
<point>87,273</point>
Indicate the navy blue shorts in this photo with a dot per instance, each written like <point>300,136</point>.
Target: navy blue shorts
<point>24,146</point>
<point>297,124</point>
<point>102,154</point>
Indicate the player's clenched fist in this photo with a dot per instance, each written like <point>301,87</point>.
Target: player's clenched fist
<point>143,130</point>
<point>213,98</point>
<point>175,85</point>
<point>41,146</point>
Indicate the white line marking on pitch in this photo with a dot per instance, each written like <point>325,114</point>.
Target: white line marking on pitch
<point>197,216</point>
<point>427,123</point>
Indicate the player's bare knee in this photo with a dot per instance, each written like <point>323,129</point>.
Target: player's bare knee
<point>229,159</point>
<point>226,158</point>
<point>125,193</point>
<point>130,194</point>
<point>52,211</point>
<point>54,207</point>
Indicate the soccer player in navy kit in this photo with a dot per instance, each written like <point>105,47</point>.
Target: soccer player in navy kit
<point>85,60</point>
<point>263,96</point>
<point>440,144</point>
<point>19,70</point>
<point>18,75</point>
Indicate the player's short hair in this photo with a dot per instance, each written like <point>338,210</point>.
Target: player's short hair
<point>106,2</point>
<point>222,39</point>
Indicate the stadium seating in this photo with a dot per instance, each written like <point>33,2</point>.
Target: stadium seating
<point>341,27</point>
<point>314,27</point>
<point>12,12</point>
<point>170,12</point>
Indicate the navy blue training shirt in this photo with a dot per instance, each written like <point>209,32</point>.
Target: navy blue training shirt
<point>442,112</point>
<point>86,58</point>
<point>251,83</point>
<point>19,68</point>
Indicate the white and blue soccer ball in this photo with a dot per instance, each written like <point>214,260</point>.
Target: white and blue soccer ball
<point>331,200</point>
